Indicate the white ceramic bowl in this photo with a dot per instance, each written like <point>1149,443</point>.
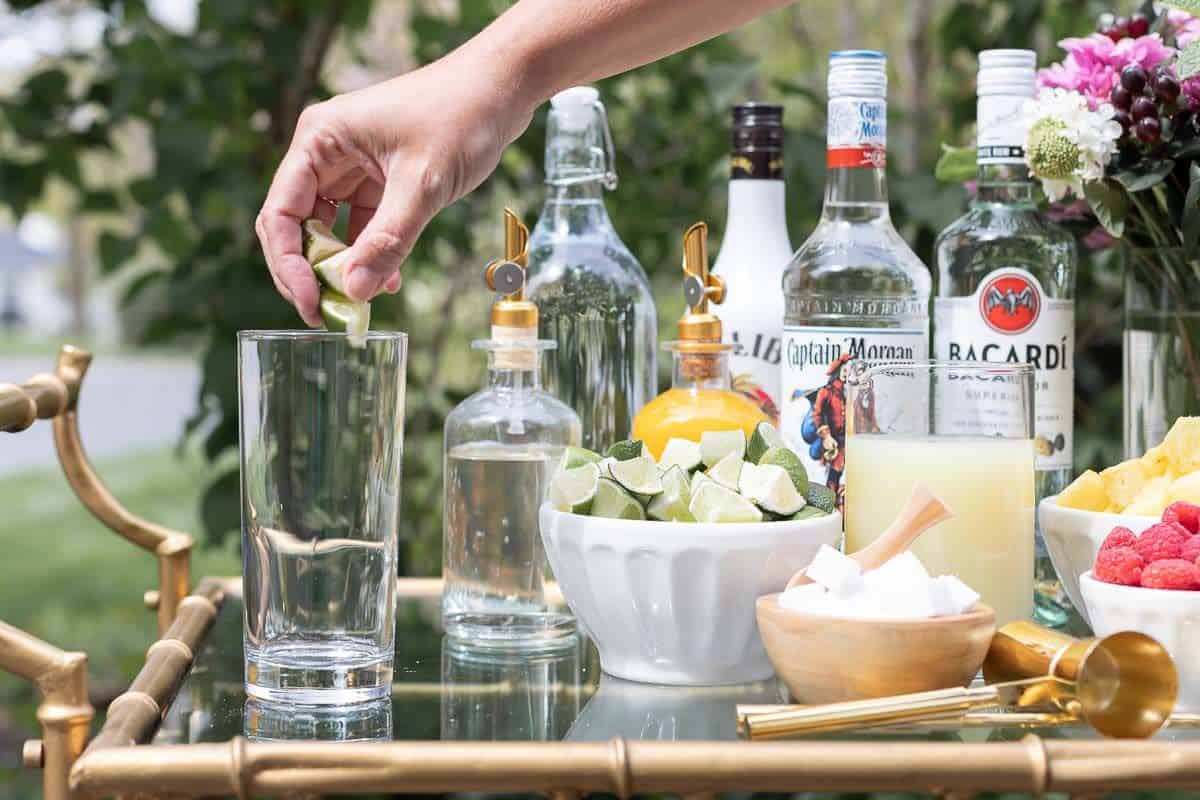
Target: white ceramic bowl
<point>1073,538</point>
<point>673,602</point>
<point>1173,618</point>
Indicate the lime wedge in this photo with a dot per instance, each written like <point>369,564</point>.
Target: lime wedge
<point>625,449</point>
<point>637,475</point>
<point>614,502</point>
<point>682,453</point>
<point>782,457</point>
<point>340,313</point>
<point>671,504</point>
<point>330,271</point>
<point>821,497</point>
<point>712,502</point>
<point>578,456</point>
<point>715,445</point>
<point>770,487</point>
<point>764,438</point>
<point>727,471</point>
<point>573,489</point>
<point>809,512</point>
<point>698,478</point>
<point>320,242</point>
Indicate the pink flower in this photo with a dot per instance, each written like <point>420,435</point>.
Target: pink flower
<point>1093,64</point>
<point>1185,27</point>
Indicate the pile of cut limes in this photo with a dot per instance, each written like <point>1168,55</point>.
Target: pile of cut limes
<point>721,478</point>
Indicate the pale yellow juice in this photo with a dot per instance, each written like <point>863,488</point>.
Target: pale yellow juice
<point>989,484</point>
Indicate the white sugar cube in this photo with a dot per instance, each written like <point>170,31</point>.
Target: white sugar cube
<point>901,573</point>
<point>808,597</point>
<point>836,572</point>
<point>950,596</point>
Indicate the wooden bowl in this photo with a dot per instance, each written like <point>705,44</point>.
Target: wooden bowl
<point>829,660</point>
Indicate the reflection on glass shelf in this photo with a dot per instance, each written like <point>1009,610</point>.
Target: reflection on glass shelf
<point>668,713</point>
<point>491,694</point>
<point>280,722</point>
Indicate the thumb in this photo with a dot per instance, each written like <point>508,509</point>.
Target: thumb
<point>377,252</point>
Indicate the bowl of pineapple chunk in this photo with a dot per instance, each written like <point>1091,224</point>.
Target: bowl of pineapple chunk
<point>1132,494</point>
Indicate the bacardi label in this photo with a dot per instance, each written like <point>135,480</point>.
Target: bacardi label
<point>857,132</point>
<point>754,363</point>
<point>814,387</point>
<point>1001,130</point>
<point>1010,320</point>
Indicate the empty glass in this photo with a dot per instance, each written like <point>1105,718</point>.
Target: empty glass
<point>321,429</point>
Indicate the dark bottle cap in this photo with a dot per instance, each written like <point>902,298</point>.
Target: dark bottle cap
<point>757,141</point>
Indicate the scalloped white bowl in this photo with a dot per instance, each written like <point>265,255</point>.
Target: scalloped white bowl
<point>673,602</point>
<point>1073,538</point>
<point>1171,617</point>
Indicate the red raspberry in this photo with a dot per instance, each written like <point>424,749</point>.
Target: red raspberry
<point>1119,536</point>
<point>1119,565</point>
<point>1184,514</point>
<point>1171,573</point>
<point>1191,549</point>
<point>1164,540</point>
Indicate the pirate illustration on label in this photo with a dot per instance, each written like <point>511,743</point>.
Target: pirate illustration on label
<point>824,425</point>
<point>745,384</point>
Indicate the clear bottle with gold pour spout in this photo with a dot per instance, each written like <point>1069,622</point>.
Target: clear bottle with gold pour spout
<point>501,446</point>
<point>700,398</point>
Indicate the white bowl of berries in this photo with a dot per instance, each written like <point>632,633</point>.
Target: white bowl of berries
<point>1150,583</point>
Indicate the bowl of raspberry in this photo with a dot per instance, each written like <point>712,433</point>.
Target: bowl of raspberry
<point>1149,582</point>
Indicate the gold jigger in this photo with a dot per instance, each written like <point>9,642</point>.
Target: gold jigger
<point>1122,685</point>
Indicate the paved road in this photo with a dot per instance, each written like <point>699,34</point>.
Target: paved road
<point>129,403</point>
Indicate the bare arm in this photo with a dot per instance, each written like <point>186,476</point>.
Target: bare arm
<point>400,151</point>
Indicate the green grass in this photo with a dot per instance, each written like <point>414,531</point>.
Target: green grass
<point>69,580</point>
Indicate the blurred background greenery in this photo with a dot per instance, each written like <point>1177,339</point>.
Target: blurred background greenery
<point>148,130</point>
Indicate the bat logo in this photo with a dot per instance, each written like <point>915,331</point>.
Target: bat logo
<point>1010,303</point>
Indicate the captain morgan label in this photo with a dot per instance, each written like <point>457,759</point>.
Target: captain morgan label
<point>856,133</point>
<point>1010,320</point>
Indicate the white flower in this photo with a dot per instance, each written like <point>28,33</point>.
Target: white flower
<point>1067,144</point>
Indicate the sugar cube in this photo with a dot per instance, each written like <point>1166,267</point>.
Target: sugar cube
<point>950,596</point>
<point>900,573</point>
<point>838,573</point>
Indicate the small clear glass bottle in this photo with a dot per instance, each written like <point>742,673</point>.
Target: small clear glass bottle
<point>701,397</point>
<point>501,446</point>
<point>592,295</point>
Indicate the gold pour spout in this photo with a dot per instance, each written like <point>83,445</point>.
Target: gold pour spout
<point>700,287</point>
<point>506,277</point>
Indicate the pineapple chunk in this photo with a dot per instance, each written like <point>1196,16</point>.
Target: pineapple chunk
<point>1186,488</point>
<point>1085,493</point>
<point>1151,501</point>
<point>1125,481</point>
<point>1155,461</point>
<point>1182,445</point>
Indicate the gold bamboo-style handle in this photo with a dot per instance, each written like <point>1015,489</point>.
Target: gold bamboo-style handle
<point>43,396</point>
<point>172,548</point>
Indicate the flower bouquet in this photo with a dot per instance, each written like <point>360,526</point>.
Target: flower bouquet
<point>1114,139</point>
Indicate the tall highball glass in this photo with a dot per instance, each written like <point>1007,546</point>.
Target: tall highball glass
<point>321,430</point>
<point>965,430</point>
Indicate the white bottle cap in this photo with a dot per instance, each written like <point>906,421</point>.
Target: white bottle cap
<point>575,108</point>
<point>857,73</point>
<point>1011,73</point>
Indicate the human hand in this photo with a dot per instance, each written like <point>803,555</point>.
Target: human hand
<point>396,152</point>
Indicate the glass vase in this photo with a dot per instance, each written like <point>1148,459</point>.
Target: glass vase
<point>1161,343</point>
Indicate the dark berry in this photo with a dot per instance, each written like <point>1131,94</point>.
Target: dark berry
<point>1121,97</point>
<point>1121,24</point>
<point>1193,103</point>
<point>1111,32</point>
<point>1138,25</point>
<point>1149,130</point>
<point>1143,107</point>
<point>1134,78</point>
<point>1123,118</point>
<point>1167,89</point>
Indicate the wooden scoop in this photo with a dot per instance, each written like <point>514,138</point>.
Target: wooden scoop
<point>923,510</point>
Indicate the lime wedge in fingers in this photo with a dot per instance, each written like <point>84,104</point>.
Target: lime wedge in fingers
<point>574,489</point>
<point>764,438</point>
<point>712,502</point>
<point>639,476</point>
<point>672,504</point>
<point>614,502</point>
<point>342,314</point>
<point>320,242</point>
<point>331,271</point>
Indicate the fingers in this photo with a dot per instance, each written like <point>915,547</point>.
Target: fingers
<point>387,238</point>
<point>291,198</point>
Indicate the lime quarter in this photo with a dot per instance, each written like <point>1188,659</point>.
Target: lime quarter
<point>574,489</point>
<point>614,502</point>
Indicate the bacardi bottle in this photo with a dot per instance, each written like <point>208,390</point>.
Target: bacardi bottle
<point>754,252</point>
<point>854,289</point>
<point>1006,283</point>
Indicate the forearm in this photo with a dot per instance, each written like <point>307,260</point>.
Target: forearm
<point>544,46</point>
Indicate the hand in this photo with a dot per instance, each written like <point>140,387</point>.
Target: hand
<point>396,152</point>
